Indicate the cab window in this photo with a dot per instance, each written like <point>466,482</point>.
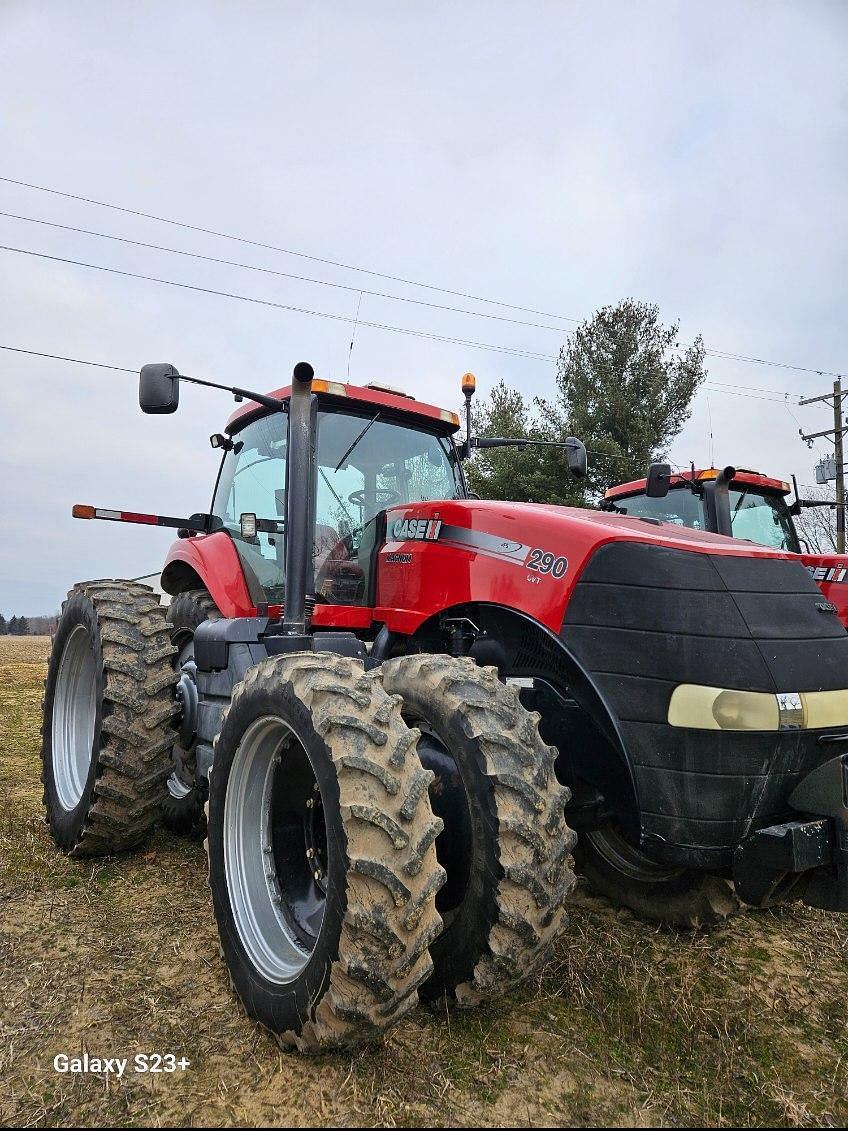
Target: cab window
<point>762,518</point>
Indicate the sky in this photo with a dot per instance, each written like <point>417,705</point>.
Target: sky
<point>558,156</point>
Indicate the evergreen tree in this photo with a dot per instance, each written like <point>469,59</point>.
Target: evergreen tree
<point>4,628</point>
<point>624,386</point>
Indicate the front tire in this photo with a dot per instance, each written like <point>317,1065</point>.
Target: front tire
<point>321,852</point>
<point>108,705</point>
<point>506,846</point>
<point>676,897</point>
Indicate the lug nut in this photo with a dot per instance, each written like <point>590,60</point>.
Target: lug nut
<point>310,852</point>
<point>317,875</point>
<point>310,803</point>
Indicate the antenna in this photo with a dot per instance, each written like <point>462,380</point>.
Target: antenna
<point>710,418</point>
<point>353,334</point>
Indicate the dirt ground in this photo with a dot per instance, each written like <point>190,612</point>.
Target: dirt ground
<point>627,1024</point>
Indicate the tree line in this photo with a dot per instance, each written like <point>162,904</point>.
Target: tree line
<point>27,626</point>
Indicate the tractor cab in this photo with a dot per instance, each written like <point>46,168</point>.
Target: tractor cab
<point>745,505</point>
<point>375,448</point>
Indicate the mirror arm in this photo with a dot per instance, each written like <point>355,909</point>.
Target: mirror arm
<point>518,442</point>
<point>240,394</point>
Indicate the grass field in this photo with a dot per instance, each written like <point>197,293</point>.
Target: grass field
<point>627,1024</point>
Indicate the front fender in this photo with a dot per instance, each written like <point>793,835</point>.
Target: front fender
<point>210,560</point>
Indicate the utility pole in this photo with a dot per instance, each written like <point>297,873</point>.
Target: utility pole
<point>836,433</point>
<point>838,430</point>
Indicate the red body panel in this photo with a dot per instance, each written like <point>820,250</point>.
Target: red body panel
<point>448,571</point>
<point>830,572</point>
<point>480,552</point>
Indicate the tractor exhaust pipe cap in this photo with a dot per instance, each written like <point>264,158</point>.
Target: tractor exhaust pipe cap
<point>303,372</point>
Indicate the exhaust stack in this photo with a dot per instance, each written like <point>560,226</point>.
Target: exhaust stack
<point>298,547</point>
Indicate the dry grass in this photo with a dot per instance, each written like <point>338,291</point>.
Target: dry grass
<point>627,1025</point>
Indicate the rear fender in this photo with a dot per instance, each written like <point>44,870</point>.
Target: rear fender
<point>212,562</point>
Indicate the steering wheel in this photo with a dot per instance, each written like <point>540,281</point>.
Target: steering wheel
<point>383,496</point>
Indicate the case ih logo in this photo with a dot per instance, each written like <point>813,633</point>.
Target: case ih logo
<point>416,529</point>
<point>823,573</point>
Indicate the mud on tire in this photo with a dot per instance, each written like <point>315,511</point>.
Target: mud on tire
<point>627,877</point>
<point>503,905</point>
<point>108,705</point>
<point>334,963</point>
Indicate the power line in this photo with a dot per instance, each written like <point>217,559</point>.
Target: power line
<point>283,250</point>
<point>125,369</point>
<point>727,355</point>
<point>509,350</point>
<point>726,386</point>
<point>75,360</point>
<point>280,274</point>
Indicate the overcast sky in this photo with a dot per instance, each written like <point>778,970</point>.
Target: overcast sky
<point>559,156</point>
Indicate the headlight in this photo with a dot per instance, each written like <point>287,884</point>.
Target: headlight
<point>717,708</point>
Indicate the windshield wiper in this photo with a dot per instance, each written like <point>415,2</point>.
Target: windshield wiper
<point>373,420</point>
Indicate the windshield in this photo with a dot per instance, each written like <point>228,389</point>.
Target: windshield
<point>366,464</point>
<point>679,506</point>
<point>761,517</point>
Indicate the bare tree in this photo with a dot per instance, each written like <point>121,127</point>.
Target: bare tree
<point>817,525</point>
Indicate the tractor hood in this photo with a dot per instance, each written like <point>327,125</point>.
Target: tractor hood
<point>523,555</point>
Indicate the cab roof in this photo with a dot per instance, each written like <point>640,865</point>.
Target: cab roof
<point>378,396</point>
<point>743,475</point>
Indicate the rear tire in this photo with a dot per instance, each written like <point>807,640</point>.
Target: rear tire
<point>677,897</point>
<point>185,795</point>
<point>325,910</point>
<point>506,846</point>
<point>108,705</point>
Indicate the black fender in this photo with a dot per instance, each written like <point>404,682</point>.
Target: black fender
<point>522,647</point>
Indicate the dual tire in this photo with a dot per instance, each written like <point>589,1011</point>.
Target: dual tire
<point>332,932</point>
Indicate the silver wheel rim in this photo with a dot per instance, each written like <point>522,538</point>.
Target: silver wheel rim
<point>177,787</point>
<point>253,885</point>
<point>74,717</point>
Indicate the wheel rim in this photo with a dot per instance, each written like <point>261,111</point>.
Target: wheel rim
<point>74,718</point>
<point>627,858</point>
<point>275,850</point>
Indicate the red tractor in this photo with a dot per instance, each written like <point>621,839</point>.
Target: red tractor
<point>392,703</point>
<point>738,503</point>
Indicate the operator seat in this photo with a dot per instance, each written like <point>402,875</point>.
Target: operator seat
<point>338,579</point>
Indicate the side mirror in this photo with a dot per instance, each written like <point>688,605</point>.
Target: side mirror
<point>659,480</point>
<point>159,388</point>
<point>577,461</point>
